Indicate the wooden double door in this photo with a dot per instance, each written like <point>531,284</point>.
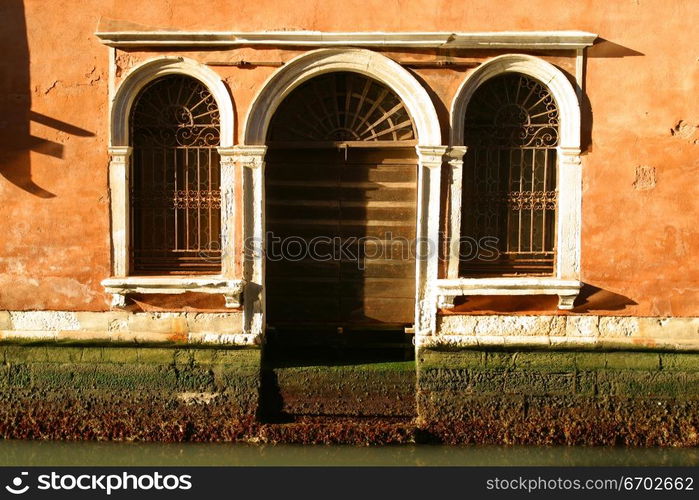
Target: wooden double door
<point>340,228</point>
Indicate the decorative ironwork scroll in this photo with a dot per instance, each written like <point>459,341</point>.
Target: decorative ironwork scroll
<point>341,107</point>
<point>175,179</point>
<point>509,195</point>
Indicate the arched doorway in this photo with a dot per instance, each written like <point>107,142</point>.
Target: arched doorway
<point>341,207</point>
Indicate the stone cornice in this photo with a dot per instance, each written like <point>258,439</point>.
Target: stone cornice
<point>548,40</point>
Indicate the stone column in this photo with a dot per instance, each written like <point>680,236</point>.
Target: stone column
<point>569,219</point>
<point>252,160</point>
<point>427,247</point>
<point>228,212</point>
<point>119,167</point>
<point>455,157</point>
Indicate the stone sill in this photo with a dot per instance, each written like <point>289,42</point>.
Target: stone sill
<point>448,289</point>
<point>231,289</point>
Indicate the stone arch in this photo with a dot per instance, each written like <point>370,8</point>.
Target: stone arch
<point>318,62</point>
<point>429,150</point>
<point>146,72</point>
<point>545,72</point>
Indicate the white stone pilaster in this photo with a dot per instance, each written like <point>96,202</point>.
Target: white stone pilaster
<point>427,259</point>
<point>455,159</point>
<point>119,168</point>
<point>252,160</point>
<point>228,211</point>
<point>569,213</point>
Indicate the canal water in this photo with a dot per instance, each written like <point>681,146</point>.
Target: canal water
<point>54,453</point>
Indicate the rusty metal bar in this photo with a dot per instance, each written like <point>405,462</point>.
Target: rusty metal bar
<point>245,64</point>
<point>439,63</point>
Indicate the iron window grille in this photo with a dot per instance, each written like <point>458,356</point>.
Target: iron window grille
<point>341,107</point>
<point>175,179</point>
<point>509,194</point>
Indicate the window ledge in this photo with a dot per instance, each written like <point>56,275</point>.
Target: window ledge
<point>231,289</point>
<point>448,289</point>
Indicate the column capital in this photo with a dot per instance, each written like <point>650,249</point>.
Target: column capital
<point>569,154</point>
<point>120,151</point>
<point>246,156</point>
<point>456,153</point>
<point>431,156</point>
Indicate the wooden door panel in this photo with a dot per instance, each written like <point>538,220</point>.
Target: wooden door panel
<point>290,287</point>
<point>369,310</point>
<point>285,310</point>
<point>401,288</point>
<point>348,196</point>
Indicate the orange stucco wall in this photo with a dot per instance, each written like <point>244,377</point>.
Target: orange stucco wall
<point>640,237</point>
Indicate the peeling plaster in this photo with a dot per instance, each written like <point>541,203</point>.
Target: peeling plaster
<point>686,131</point>
<point>645,178</point>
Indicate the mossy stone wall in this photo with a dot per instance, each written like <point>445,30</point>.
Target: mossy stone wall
<point>547,397</point>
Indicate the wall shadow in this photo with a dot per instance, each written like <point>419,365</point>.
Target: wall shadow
<point>602,48</point>
<point>16,140</point>
<point>594,299</point>
<point>591,299</point>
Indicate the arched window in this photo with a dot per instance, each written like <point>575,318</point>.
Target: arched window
<point>175,179</point>
<point>509,190</point>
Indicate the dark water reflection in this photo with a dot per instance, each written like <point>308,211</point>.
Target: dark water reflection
<point>52,453</point>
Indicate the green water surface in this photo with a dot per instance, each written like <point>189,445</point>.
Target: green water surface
<point>77,453</point>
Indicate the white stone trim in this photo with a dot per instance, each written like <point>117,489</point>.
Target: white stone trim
<point>580,72</point>
<point>447,290</point>
<point>366,62</point>
<point>565,331</point>
<point>228,211</point>
<point>252,160</point>
<point>430,159</point>
<point>231,289</point>
<point>548,331</point>
<point>455,159</point>
<point>549,40</point>
<point>569,219</point>
<point>120,155</point>
<point>120,211</point>
<point>126,327</point>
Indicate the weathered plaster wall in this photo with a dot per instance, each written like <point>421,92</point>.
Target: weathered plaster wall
<point>640,116</point>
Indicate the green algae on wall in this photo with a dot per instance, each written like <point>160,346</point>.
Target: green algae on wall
<point>557,397</point>
<point>383,389</point>
<point>127,392</point>
<point>188,393</point>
